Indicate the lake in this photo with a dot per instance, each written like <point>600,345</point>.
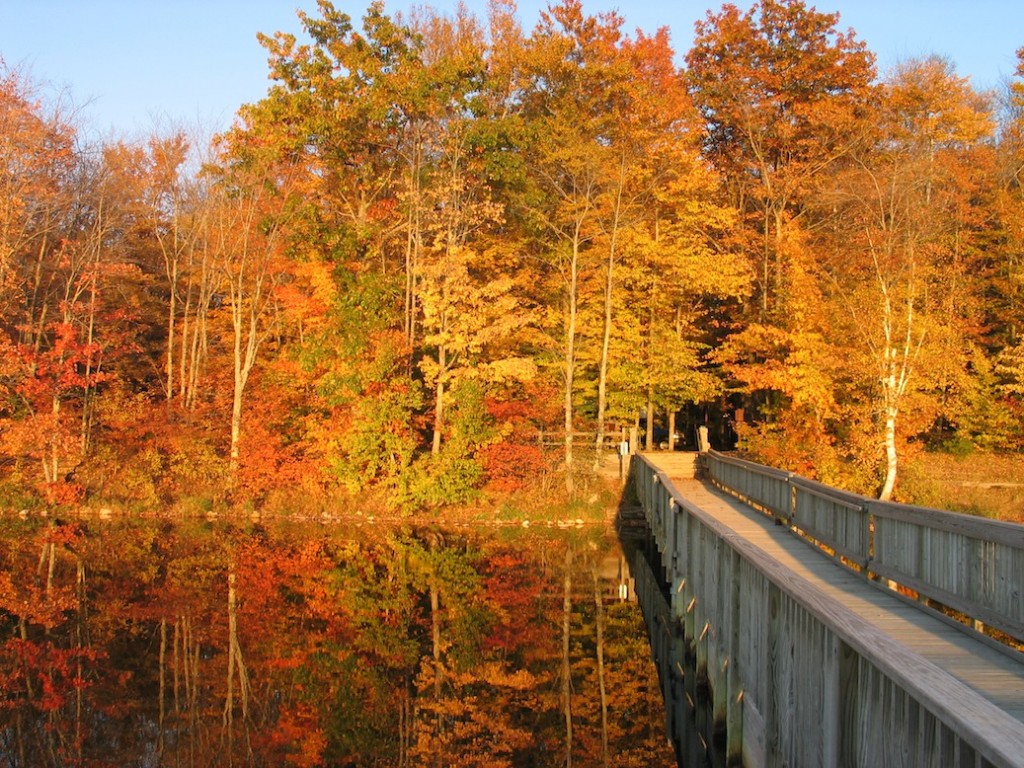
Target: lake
<point>195,642</point>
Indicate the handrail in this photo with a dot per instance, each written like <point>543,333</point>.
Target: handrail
<point>770,491</point>
<point>972,565</point>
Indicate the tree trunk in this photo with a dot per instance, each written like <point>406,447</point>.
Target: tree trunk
<point>891,458</point>
<point>896,373</point>
<point>599,621</point>
<point>609,286</point>
<point>247,340</point>
<point>236,422</point>
<point>442,361</point>
<point>185,321</point>
<point>414,235</point>
<point>435,635</point>
<point>649,435</point>
<point>162,693</point>
<point>51,460</point>
<point>236,664</point>
<point>570,360</point>
<point>197,340</point>
<point>87,388</point>
<point>172,311</point>
<point>566,645</point>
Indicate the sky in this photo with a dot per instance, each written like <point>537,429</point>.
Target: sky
<point>135,67</point>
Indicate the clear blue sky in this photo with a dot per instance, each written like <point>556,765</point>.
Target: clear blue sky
<point>133,65</point>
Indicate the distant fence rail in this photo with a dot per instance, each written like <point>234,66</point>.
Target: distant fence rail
<point>609,440</point>
<point>971,565</point>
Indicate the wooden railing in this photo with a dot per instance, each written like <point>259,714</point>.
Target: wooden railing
<point>971,565</point>
<point>794,679</point>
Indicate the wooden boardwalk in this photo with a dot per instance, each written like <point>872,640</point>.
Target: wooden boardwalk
<point>950,655</point>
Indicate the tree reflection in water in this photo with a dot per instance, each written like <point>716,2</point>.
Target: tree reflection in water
<point>197,643</point>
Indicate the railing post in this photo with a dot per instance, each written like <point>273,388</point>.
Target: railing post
<point>792,497</point>
<point>734,684</point>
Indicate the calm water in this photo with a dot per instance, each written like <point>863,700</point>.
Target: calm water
<point>151,642</point>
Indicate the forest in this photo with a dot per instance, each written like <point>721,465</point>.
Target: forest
<point>439,240</point>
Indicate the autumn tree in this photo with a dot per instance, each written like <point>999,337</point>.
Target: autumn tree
<point>655,204</point>
<point>254,202</point>
<point>1006,270</point>
<point>685,268</point>
<point>37,165</point>
<point>38,154</point>
<point>356,109</point>
<point>904,234</point>
<point>469,311</point>
<point>782,91</point>
<point>175,210</point>
<point>76,296</point>
<point>387,124</point>
<point>572,72</point>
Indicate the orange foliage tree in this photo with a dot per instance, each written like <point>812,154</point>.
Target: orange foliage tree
<point>902,209</point>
